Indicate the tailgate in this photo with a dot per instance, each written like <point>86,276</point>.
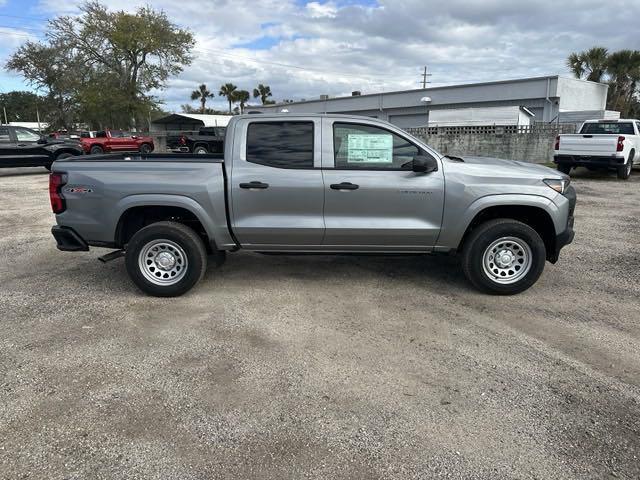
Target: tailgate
<point>585,144</point>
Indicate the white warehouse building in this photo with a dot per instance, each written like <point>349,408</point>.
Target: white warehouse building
<point>541,99</point>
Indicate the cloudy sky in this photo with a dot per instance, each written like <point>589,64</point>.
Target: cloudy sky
<point>303,49</point>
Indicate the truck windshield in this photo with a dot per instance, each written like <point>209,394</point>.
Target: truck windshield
<point>608,128</point>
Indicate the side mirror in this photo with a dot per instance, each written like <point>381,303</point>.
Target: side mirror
<point>424,164</point>
<point>42,139</point>
<point>134,136</point>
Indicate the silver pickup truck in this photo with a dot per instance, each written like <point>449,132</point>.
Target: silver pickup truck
<point>308,184</point>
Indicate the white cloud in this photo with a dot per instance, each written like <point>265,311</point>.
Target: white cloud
<point>343,46</point>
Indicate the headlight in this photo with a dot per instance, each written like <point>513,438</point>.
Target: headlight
<point>559,186</point>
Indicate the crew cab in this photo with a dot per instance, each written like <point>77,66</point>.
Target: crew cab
<point>600,144</point>
<point>309,184</point>
<point>206,140</point>
<point>107,141</point>
<point>23,147</point>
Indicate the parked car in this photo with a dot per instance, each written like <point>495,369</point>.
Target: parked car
<point>600,144</point>
<point>108,141</point>
<point>23,147</point>
<point>206,140</point>
<point>310,184</point>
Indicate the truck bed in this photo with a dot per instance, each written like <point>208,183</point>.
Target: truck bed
<point>100,189</point>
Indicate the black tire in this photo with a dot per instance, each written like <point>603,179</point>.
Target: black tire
<point>96,150</point>
<point>624,171</point>
<point>200,150</point>
<point>564,168</point>
<point>145,148</point>
<point>180,241</point>
<point>483,236</point>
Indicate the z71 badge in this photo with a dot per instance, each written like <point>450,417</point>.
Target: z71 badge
<point>77,190</point>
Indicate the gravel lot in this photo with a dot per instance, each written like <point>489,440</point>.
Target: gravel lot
<point>320,367</point>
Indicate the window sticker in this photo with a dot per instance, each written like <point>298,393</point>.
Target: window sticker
<point>369,148</point>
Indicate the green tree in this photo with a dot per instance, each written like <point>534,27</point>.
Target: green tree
<point>242,97</point>
<point>228,90</point>
<point>53,69</point>
<point>264,92</point>
<point>25,107</point>
<point>621,70</point>
<point>590,64</point>
<point>106,54</point>
<point>202,94</point>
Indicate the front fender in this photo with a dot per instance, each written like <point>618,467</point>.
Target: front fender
<point>457,218</point>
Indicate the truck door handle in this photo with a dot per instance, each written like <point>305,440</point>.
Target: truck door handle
<point>344,186</point>
<point>254,184</point>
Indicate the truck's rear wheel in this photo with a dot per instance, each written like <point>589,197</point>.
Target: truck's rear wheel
<point>95,150</point>
<point>200,150</point>
<point>166,259</point>
<point>503,257</point>
<point>564,168</point>
<point>624,171</point>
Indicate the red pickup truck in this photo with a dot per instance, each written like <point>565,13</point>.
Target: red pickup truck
<point>107,141</point>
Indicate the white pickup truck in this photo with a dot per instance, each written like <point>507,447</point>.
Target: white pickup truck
<point>600,144</point>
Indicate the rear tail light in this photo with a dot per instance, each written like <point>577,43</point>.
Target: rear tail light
<point>56,182</point>
<point>557,145</point>
<point>183,140</point>
<point>620,146</point>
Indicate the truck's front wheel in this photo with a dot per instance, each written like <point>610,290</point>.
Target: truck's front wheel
<point>503,257</point>
<point>166,259</point>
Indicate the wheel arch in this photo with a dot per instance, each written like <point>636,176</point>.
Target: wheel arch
<point>534,216</point>
<point>138,211</point>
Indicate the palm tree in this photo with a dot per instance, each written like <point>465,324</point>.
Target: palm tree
<point>262,91</point>
<point>228,90</point>
<point>202,93</point>
<point>590,64</point>
<point>242,97</point>
<point>623,68</point>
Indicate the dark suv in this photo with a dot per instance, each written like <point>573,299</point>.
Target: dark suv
<point>23,147</point>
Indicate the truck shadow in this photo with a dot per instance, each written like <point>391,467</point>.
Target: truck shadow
<point>440,271</point>
<point>582,173</point>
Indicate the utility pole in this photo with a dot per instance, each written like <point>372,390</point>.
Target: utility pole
<point>5,115</point>
<point>424,77</point>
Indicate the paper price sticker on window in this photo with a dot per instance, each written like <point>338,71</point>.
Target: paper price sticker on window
<point>362,148</point>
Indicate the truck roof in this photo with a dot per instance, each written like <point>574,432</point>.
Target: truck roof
<point>611,120</point>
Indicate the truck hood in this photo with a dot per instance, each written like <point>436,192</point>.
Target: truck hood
<point>500,166</point>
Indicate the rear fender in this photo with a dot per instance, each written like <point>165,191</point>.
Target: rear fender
<point>215,224</point>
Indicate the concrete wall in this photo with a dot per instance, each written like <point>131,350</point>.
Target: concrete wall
<point>536,146</point>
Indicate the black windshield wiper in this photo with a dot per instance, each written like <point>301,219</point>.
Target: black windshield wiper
<point>454,158</point>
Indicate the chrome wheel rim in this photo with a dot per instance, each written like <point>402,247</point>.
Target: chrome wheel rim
<point>201,151</point>
<point>163,262</point>
<point>507,260</point>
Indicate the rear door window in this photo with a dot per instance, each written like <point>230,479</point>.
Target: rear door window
<point>285,144</point>
<point>4,135</point>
